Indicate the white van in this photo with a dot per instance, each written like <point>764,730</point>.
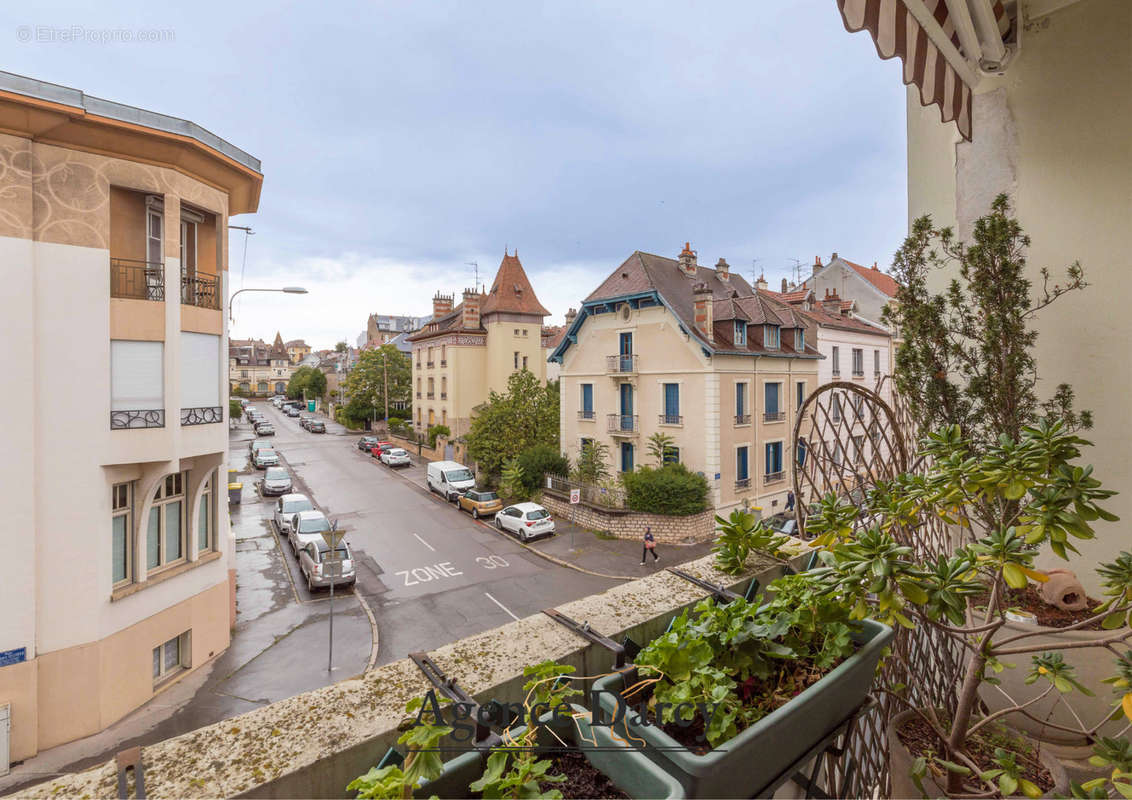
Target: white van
<point>449,479</point>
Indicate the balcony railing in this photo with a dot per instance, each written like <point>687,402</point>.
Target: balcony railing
<point>859,373</point>
<point>624,364</point>
<point>205,415</point>
<point>444,362</point>
<point>444,395</point>
<point>742,419</point>
<point>430,396</point>
<point>836,372</point>
<point>137,280</point>
<point>671,419</point>
<point>141,418</point>
<point>623,424</point>
<point>743,483</point>
<point>418,395</point>
<point>773,477</point>
<point>200,289</point>
<point>590,415</point>
<point>774,416</point>
<point>430,364</point>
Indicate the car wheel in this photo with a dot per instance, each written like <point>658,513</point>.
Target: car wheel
<point>310,586</point>
<point>498,523</point>
<point>475,513</point>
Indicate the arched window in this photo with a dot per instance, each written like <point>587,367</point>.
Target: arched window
<point>245,386</point>
<point>261,387</point>
<point>280,387</point>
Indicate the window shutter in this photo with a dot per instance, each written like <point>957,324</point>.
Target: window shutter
<point>136,376</point>
<point>200,370</point>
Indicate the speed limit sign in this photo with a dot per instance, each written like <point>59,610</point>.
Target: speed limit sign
<point>575,496</point>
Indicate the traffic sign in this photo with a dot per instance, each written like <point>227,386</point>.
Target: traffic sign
<point>575,496</point>
<point>333,539</point>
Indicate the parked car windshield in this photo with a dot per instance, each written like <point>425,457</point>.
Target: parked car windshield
<point>275,474</point>
<point>314,525</point>
<point>542,513</point>
<point>458,475</point>
<point>295,506</point>
<point>485,496</point>
<point>398,452</point>
<point>266,452</point>
<point>343,553</point>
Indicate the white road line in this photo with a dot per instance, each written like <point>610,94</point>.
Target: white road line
<point>505,608</point>
<point>426,544</point>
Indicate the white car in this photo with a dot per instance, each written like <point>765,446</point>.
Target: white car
<point>265,457</point>
<point>287,507</point>
<point>396,457</point>
<point>307,526</point>
<point>525,520</point>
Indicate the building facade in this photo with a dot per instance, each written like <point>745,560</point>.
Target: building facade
<point>113,237</point>
<point>384,328</point>
<point>868,288</point>
<point>297,349</point>
<point>665,345</point>
<point>468,351</point>
<point>258,369</point>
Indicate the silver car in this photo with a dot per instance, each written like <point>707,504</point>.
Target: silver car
<point>276,481</point>
<point>312,562</point>
<point>307,526</point>
<point>265,457</point>
<point>287,507</point>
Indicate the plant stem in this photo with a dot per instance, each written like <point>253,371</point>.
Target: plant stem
<point>969,694</point>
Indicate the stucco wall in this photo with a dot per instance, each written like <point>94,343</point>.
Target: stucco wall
<point>631,524</point>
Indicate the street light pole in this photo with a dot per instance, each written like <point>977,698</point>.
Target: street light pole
<point>285,289</point>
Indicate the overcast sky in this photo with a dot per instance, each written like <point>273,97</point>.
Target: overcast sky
<point>401,140</point>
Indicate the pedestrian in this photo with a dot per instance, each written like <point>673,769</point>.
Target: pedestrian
<point>790,500</point>
<point>650,547</point>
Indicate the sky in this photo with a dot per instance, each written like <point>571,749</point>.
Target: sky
<point>402,140</point>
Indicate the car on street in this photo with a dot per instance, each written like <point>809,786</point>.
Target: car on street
<point>276,481</point>
<point>316,426</point>
<point>264,428</point>
<point>525,520</point>
<point>313,563</point>
<point>304,419</point>
<point>366,443</point>
<point>243,402</point>
<point>265,457</point>
<point>449,479</point>
<point>306,526</point>
<point>380,447</point>
<point>256,444</point>
<point>479,503</point>
<point>287,507</point>
<point>395,457</point>
<point>292,411</point>
<point>783,522</point>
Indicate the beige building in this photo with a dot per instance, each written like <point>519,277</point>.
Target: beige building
<point>666,345</point>
<point>259,369</point>
<point>297,350</point>
<point>113,240</point>
<point>1042,112</point>
<point>468,351</point>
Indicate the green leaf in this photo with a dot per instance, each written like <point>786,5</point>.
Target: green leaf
<point>1029,789</point>
<point>1007,785</point>
<point>1125,789</point>
<point>1014,576</point>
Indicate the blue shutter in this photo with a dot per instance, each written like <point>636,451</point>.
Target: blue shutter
<point>588,398</point>
<point>672,402</point>
<point>741,469</point>
<point>771,390</point>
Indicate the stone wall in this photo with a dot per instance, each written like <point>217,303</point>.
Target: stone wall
<point>625,524</point>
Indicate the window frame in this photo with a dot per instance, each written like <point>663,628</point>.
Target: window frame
<point>166,673</point>
<point>170,490</point>
<point>800,392</point>
<point>772,332</point>
<point>209,508</point>
<point>586,399</point>
<point>777,397</point>
<point>743,474</point>
<point>126,511</point>
<point>740,333</point>
<point>835,360</point>
<point>742,410</point>
<point>777,447</point>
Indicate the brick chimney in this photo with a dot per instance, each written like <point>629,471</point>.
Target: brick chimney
<point>834,256</point>
<point>723,270</point>
<point>817,264</point>
<point>831,303</point>
<point>784,286</point>
<point>441,304</point>
<point>702,303</point>
<point>761,283</point>
<point>688,260</point>
<point>571,315</point>
<point>471,315</point>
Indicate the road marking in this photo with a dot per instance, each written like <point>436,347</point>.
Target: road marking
<point>505,608</point>
<point>429,573</point>
<point>426,544</point>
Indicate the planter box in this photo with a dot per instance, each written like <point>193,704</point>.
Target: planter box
<point>629,769</point>
<point>747,763</point>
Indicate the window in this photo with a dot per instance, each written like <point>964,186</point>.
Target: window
<point>171,657</point>
<point>773,458</point>
<point>137,382</point>
<point>243,373</point>
<point>742,464</point>
<point>626,457</point>
<point>836,361</point>
<point>444,388</point>
<point>587,401</point>
<point>740,400</point>
<point>876,362</point>
<point>204,517</point>
<point>800,339</point>
<point>524,362</point>
<point>672,404</point>
<point>836,407</point>
<point>516,359</point>
<point>770,399</point>
<point>200,370</point>
<point>802,447</point>
<point>740,333</point>
<point>121,504</point>
<point>516,331</point>
<point>858,361</point>
<point>771,336</point>
<point>801,398</point>
<point>165,531</point>
<point>858,448</point>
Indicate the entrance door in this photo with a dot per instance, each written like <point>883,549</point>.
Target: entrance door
<point>626,407</point>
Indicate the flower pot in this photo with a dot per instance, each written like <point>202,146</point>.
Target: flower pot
<point>750,761</point>
<point>629,769</point>
<point>900,760</point>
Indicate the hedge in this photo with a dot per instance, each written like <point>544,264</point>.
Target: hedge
<point>671,489</point>
<point>539,460</point>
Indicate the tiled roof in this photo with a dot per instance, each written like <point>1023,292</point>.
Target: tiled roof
<point>554,335</point>
<point>882,280</point>
<point>842,322</point>
<point>512,292</point>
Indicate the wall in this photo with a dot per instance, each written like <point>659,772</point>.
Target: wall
<point>1054,129</point>
<point>631,524</point>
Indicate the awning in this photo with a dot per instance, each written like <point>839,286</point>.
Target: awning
<point>940,50</point>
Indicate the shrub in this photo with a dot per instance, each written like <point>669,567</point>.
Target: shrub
<point>235,410</point>
<point>672,489</point>
<point>536,462</point>
<point>437,430</point>
<point>511,484</point>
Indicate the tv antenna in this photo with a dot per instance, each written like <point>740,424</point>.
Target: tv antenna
<point>796,271</point>
<point>244,262</point>
<point>754,271</point>
<point>475,265</point>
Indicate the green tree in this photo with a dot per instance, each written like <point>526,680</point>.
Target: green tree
<point>966,357</point>
<point>307,379</point>
<point>507,424</point>
<point>235,408</point>
<point>367,380</point>
<point>512,485</point>
<point>341,347</point>
<point>660,445</point>
<point>593,462</point>
<point>539,461</point>
<point>437,430</point>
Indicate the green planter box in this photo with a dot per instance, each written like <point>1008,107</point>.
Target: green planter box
<point>746,764</point>
<point>628,768</point>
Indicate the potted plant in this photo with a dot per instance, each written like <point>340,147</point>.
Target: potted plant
<point>1005,502</point>
<point>733,694</point>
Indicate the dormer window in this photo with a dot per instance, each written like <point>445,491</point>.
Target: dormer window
<point>800,339</point>
<point>770,337</point>
<point>740,333</point>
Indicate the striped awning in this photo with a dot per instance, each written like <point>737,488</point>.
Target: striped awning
<point>919,32</point>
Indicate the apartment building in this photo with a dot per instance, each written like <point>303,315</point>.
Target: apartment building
<point>297,350</point>
<point>384,328</point>
<point>468,351</point>
<point>258,369</point>
<point>113,237</point>
<point>869,288</point>
<point>666,345</point>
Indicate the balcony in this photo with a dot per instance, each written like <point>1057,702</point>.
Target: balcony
<point>623,424</point>
<point>858,373</point>
<point>774,416</point>
<point>418,395</point>
<point>430,364</point>
<point>742,483</point>
<point>590,415</point>
<point>137,280</point>
<point>444,395</point>
<point>200,289</point>
<point>443,362</point>
<point>773,477</point>
<point>621,364</point>
<point>837,372</point>
<point>671,419</point>
<point>206,415</point>
<point>430,396</point>
<point>742,419</point>
<point>140,418</point>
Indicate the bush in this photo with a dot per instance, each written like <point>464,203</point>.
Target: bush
<point>536,462</point>
<point>235,409</point>
<point>672,489</point>
<point>437,430</point>
<point>512,484</point>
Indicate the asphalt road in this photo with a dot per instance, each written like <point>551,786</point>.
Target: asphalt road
<point>429,572</point>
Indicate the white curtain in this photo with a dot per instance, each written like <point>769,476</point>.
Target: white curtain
<point>200,370</point>
<point>136,376</point>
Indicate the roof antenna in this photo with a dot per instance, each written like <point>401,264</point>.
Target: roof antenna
<point>796,271</point>
<point>476,271</point>
<point>754,261</point>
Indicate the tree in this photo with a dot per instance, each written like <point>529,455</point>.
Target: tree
<point>593,462</point>
<point>307,379</point>
<point>341,347</point>
<point>966,353</point>
<point>509,423</point>
<point>539,461</point>
<point>437,430</point>
<point>367,380</point>
<point>669,489</point>
<point>660,444</point>
<point>512,485</point>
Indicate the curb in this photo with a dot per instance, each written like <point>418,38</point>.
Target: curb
<point>372,629</point>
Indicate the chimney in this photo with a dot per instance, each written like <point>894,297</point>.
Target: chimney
<point>817,264</point>
<point>761,283</point>
<point>688,260</point>
<point>571,315</point>
<point>831,304</point>
<point>471,315</point>
<point>834,256</point>
<point>875,265</point>
<point>441,304</point>
<point>723,270</point>
<point>784,286</point>
<point>702,303</point>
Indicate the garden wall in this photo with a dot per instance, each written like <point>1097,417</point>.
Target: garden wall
<point>625,524</point>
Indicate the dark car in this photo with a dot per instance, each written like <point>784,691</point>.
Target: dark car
<point>316,426</point>
<point>366,443</point>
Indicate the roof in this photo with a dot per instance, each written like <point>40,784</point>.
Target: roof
<point>554,335</point>
<point>297,343</point>
<point>841,322</point>
<point>511,292</point>
<point>882,280</point>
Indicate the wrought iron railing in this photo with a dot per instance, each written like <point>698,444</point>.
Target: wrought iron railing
<point>622,423</point>
<point>610,496</point>
<point>444,395</point>
<point>859,373</point>
<point>200,289</point>
<point>621,364</point>
<point>586,414</point>
<point>774,416</point>
<point>743,483</point>
<point>204,415</point>
<point>137,280</point>
<point>742,419</point>
<point>430,364</point>
<point>430,396</point>
<point>140,418</point>
<point>773,477</point>
<point>671,419</point>
<point>444,362</point>
<point>418,395</point>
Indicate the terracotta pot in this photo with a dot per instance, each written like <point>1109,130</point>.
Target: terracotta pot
<point>900,761</point>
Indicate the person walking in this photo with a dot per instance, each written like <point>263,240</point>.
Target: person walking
<point>650,547</point>
<point>790,500</point>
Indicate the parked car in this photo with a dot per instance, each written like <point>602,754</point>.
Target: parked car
<point>287,507</point>
<point>256,444</point>
<point>264,428</point>
<point>395,457</point>
<point>782,522</point>
<point>525,520</point>
<point>304,419</point>
<point>479,503</point>
<point>380,447</point>
<point>312,562</point>
<point>316,426</point>
<point>243,402</point>
<point>306,526</point>
<point>366,443</point>
<point>292,411</point>
<point>276,481</point>
<point>265,457</point>
<point>449,479</point>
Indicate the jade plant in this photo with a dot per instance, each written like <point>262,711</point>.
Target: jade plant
<point>1004,503</point>
<point>422,763</point>
<point>740,535</point>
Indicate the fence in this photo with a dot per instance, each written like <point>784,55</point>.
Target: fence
<point>603,496</point>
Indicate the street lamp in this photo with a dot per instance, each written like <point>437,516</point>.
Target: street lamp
<point>285,289</point>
